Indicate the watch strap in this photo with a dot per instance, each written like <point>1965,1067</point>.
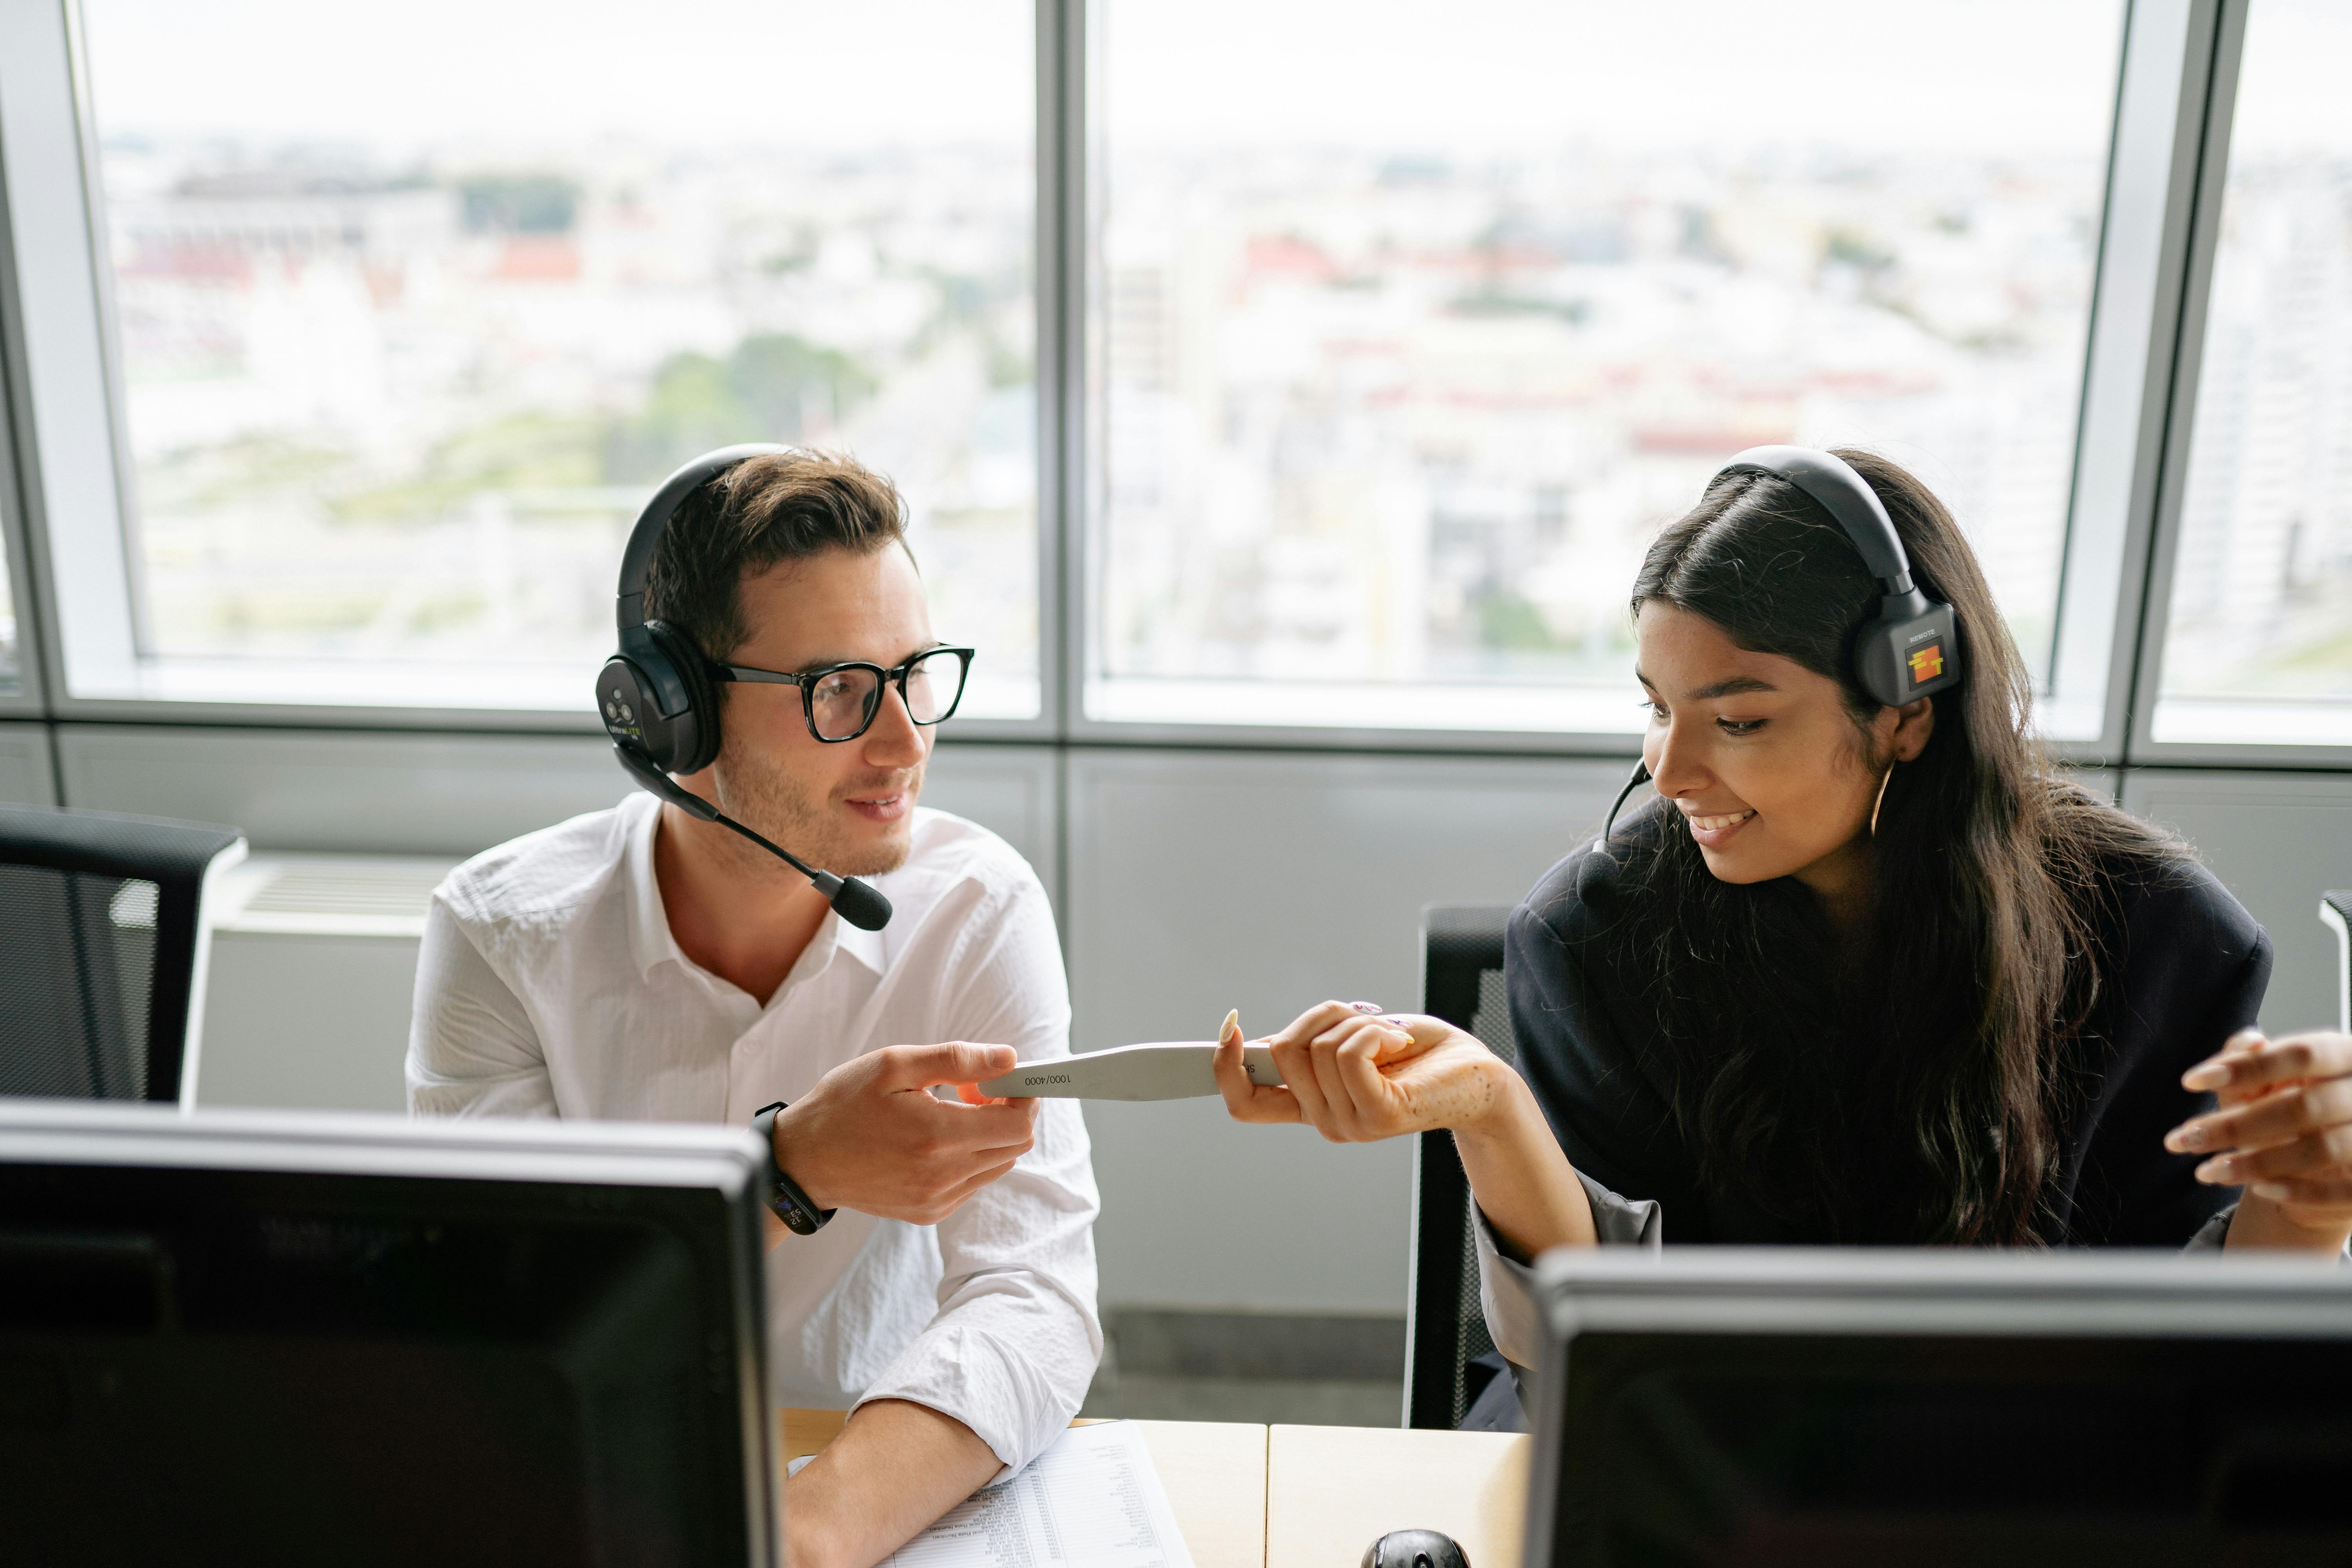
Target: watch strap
<point>784,1196</point>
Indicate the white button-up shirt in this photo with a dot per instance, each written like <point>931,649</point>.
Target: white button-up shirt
<point>550,986</point>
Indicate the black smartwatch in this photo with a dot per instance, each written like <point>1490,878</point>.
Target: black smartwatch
<point>784,1195</point>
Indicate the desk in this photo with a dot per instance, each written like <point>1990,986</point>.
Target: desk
<point>1333,1490</point>
<point>1311,1496</point>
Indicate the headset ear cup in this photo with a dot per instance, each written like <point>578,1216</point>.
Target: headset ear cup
<point>1876,664</point>
<point>1902,658</point>
<point>694,732</point>
<point>628,710</point>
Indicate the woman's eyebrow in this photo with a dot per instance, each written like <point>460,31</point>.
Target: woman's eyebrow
<point>1737,685</point>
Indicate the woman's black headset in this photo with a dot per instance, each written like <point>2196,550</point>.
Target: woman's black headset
<point>1912,649</point>
<point>661,706</point>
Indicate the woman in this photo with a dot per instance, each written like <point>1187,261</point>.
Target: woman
<point>1861,973</point>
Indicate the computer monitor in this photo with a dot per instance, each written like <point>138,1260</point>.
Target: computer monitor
<point>1737,1407</point>
<point>280,1338</point>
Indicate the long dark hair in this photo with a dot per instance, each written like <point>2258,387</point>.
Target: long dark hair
<point>1908,1089</point>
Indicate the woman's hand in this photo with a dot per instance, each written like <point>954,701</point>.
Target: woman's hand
<point>1355,1075</point>
<point>2284,1132</point>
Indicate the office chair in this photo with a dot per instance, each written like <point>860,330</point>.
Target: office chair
<point>102,920</point>
<point>1462,983</point>
<point>2335,914</point>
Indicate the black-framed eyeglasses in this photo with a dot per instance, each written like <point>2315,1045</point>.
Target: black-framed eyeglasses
<point>841,701</point>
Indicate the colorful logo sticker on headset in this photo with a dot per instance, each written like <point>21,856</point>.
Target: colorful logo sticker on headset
<point>1926,664</point>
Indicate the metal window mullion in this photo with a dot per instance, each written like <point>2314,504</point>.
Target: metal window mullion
<point>64,445</point>
<point>2162,98</point>
<point>1063,215</point>
<point>2203,229</point>
<point>110,334</point>
<point>25,695</point>
<point>20,498</point>
<point>2180,429</point>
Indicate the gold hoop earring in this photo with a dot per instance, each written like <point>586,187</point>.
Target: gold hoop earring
<point>1885,779</point>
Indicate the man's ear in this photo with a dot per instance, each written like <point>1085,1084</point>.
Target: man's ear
<point>1914,723</point>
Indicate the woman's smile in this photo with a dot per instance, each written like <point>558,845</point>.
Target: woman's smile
<point>1714,830</point>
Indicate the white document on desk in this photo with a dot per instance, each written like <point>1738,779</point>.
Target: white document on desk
<point>1091,1500</point>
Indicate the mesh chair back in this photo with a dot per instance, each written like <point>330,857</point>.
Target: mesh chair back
<point>101,919</point>
<point>1462,983</point>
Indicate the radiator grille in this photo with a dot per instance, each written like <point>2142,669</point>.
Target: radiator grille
<point>352,890</point>
<point>326,896</point>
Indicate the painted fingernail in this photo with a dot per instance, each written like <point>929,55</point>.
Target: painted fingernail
<point>1231,1027</point>
<point>1367,1006</point>
<point>2220,1173</point>
<point>2185,1139</point>
<point>2212,1075</point>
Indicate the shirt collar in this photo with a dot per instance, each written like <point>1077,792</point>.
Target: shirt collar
<point>868,947</point>
<point>653,943</point>
<point>650,940</point>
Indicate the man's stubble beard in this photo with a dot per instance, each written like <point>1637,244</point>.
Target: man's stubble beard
<point>761,796</point>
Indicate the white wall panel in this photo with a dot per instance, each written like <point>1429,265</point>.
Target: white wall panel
<point>1200,882</point>
<point>2103,781</point>
<point>2277,841</point>
<point>328,790</point>
<point>1013,790</point>
<point>450,794</point>
<point>310,1023</point>
<point>25,777</point>
<point>320,1020</point>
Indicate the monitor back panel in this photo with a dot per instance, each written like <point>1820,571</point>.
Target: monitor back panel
<point>210,1364</point>
<point>1926,1450</point>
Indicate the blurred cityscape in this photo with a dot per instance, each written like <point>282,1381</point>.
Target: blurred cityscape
<point>1377,417</point>
<point>407,412</point>
<point>2262,599</point>
<point>1361,414</point>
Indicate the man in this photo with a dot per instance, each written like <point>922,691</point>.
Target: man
<point>639,963</point>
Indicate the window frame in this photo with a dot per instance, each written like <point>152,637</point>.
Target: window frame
<point>2147,697</point>
<point>68,413</point>
<point>2126,354</point>
<point>72,561</point>
<point>22,693</point>
<point>2177,57</point>
<point>55,378</point>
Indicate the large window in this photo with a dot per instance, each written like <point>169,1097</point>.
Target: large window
<point>2259,645</point>
<point>1413,327</point>
<point>412,305</point>
<point>1328,390</point>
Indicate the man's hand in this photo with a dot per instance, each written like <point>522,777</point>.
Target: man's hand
<point>870,1137</point>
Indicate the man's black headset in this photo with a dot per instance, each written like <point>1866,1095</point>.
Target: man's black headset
<point>660,705</point>
<point>1912,649</point>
